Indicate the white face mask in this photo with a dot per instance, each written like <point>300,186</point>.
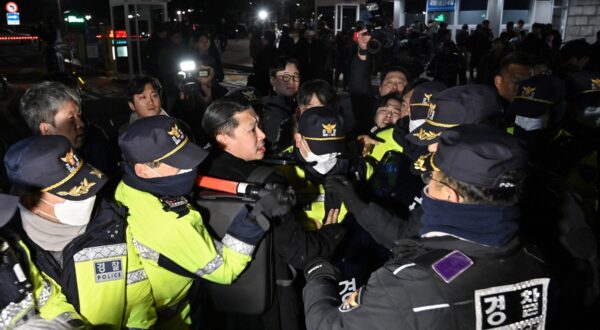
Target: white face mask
<point>532,124</point>
<point>74,213</point>
<point>592,116</point>
<point>414,124</point>
<point>324,162</point>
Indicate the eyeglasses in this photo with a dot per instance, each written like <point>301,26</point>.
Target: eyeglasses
<point>427,177</point>
<point>287,77</point>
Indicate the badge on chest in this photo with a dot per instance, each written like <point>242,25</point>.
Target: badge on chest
<point>111,270</point>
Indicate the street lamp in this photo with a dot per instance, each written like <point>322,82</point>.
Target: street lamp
<point>262,15</point>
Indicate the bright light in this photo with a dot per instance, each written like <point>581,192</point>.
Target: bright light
<point>187,66</point>
<point>297,4</point>
<point>262,14</point>
<point>179,12</point>
<point>129,16</point>
<point>88,17</point>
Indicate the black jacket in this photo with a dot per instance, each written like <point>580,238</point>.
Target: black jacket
<point>277,111</point>
<point>408,294</point>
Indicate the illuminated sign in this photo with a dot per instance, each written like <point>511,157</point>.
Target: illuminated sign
<point>74,19</point>
<point>440,5</point>
<point>11,7</point>
<point>12,19</point>
<point>440,18</point>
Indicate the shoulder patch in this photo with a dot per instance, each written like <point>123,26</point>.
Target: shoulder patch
<point>352,302</point>
<point>452,265</point>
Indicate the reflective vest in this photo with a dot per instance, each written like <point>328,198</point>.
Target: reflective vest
<point>101,275</point>
<point>379,150</point>
<point>175,251</point>
<point>310,197</point>
<point>45,298</point>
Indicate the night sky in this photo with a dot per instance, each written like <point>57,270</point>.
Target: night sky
<point>33,11</point>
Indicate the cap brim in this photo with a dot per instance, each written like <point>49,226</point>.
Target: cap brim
<point>528,108</point>
<point>590,99</point>
<point>425,163</point>
<point>188,157</point>
<point>8,206</point>
<point>425,134</point>
<point>326,147</point>
<point>83,185</point>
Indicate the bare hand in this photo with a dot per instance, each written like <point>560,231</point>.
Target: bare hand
<point>367,143</point>
<point>332,217</point>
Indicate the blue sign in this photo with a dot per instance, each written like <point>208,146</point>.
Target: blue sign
<point>12,19</point>
<point>440,5</point>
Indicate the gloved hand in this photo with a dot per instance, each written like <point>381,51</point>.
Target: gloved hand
<point>340,186</point>
<point>321,268</point>
<point>276,200</point>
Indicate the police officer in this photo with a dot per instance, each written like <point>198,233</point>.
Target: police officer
<point>320,151</point>
<point>167,231</point>
<point>468,268</point>
<point>26,293</point>
<point>76,239</point>
<point>450,108</point>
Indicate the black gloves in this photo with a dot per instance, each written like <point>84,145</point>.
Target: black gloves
<point>340,186</point>
<point>321,268</point>
<point>276,200</point>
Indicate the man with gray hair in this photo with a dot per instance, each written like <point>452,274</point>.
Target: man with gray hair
<point>51,108</point>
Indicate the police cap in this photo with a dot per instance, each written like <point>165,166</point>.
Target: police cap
<point>476,154</point>
<point>50,163</point>
<point>323,130</point>
<point>160,139</point>
<point>456,106</point>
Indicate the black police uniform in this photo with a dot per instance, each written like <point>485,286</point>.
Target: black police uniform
<point>409,294</point>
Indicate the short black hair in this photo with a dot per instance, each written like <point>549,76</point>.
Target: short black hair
<point>391,96</point>
<point>394,68</point>
<point>280,63</point>
<point>218,117</point>
<point>138,83</point>
<point>518,58</point>
<point>322,90</point>
<point>504,196</point>
<point>413,84</point>
<point>577,48</point>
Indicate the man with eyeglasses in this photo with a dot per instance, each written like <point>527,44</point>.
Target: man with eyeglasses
<point>281,104</point>
<point>468,268</point>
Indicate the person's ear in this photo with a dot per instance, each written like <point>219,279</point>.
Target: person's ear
<point>298,140</point>
<point>222,140</point>
<point>45,129</point>
<point>497,81</point>
<point>141,170</point>
<point>131,106</point>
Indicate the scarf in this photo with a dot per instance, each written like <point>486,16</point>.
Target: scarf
<point>50,236</point>
<point>484,224</point>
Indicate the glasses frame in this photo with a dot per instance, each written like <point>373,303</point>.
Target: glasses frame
<point>287,77</point>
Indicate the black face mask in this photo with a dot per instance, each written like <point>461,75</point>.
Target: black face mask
<point>173,185</point>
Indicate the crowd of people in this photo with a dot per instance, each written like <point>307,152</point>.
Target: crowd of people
<point>459,193</point>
